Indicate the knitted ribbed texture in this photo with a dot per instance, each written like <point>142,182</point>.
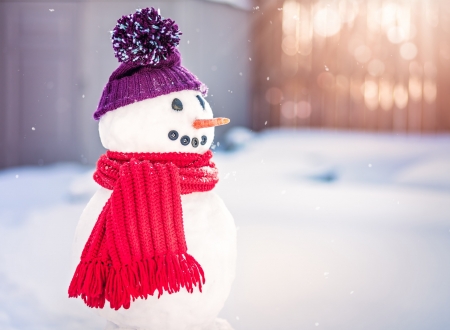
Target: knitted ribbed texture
<point>138,246</point>
<point>131,83</point>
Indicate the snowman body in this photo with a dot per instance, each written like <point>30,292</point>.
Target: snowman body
<point>210,231</point>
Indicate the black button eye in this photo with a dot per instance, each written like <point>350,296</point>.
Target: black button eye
<point>204,139</point>
<point>202,102</point>
<point>173,135</point>
<point>177,105</point>
<point>185,140</point>
<point>194,142</point>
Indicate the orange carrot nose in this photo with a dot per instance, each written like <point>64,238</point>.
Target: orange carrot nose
<point>203,123</point>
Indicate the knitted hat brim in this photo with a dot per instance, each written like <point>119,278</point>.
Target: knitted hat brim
<point>144,83</point>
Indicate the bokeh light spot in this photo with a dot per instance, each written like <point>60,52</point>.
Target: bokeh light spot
<point>303,109</point>
<point>408,51</point>
<point>327,22</point>
<point>396,34</point>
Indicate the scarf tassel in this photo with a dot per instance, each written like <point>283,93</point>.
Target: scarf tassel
<point>88,282</point>
<point>97,281</point>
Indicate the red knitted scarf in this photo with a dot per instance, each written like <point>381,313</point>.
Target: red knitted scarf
<point>138,245</point>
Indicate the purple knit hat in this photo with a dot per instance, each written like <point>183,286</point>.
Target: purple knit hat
<point>146,44</point>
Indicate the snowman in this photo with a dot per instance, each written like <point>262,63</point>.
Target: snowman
<point>155,247</point>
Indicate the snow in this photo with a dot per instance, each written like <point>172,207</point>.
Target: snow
<point>336,230</point>
<point>434,172</point>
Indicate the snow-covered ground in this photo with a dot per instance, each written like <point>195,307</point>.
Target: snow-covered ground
<point>336,231</point>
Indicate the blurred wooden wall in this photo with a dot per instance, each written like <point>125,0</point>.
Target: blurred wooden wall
<point>38,83</point>
<point>367,65</point>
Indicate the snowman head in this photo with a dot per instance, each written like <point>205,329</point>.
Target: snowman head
<point>176,122</point>
<point>151,103</point>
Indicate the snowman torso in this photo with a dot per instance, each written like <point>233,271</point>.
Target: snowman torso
<point>209,228</point>
<point>211,238</point>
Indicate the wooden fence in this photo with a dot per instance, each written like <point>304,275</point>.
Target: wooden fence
<point>367,65</point>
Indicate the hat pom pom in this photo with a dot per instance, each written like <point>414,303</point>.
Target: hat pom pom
<point>144,38</point>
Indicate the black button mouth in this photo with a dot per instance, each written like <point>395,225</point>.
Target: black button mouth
<point>204,139</point>
<point>194,142</point>
<point>185,140</point>
<point>173,135</point>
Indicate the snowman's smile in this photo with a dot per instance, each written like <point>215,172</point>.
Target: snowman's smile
<point>198,123</point>
<point>185,140</point>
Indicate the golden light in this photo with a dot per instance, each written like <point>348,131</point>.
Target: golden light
<point>396,34</point>
<point>382,55</point>
<point>348,10</point>
<point>327,21</point>
<point>396,21</point>
<point>373,16</point>
<point>389,13</point>
<point>297,29</point>
<point>290,16</point>
<point>304,31</point>
<point>415,88</point>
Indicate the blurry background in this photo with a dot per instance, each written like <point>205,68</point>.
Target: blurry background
<point>336,164</point>
<point>366,65</point>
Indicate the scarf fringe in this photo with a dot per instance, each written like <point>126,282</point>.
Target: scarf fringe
<point>96,281</point>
